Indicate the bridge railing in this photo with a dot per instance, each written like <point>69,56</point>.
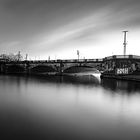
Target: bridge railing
<point>53,61</point>
<point>136,56</point>
<point>82,60</point>
<point>122,57</point>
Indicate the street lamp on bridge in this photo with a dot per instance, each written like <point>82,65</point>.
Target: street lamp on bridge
<point>78,53</point>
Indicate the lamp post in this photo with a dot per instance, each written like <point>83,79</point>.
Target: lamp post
<point>26,57</point>
<point>49,58</point>
<point>125,42</point>
<point>78,53</point>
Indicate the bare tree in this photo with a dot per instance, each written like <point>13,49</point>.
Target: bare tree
<point>12,57</point>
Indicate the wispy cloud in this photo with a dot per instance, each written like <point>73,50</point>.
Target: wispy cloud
<point>43,26</point>
<point>90,28</point>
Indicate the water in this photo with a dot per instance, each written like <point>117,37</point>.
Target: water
<point>69,108</point>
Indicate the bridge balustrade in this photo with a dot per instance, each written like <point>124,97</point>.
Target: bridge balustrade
<point>100,60</point>
<point>108,58</point>
<point>136,56</point>
<point>122,56</point>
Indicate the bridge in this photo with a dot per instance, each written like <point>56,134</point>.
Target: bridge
<point>50,66</point>
<point>114,65</point>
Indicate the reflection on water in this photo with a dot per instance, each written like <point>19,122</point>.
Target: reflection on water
<point>69,108</point>
<point>119,85</point>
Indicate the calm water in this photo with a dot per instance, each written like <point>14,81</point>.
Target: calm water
<point>69,108</point>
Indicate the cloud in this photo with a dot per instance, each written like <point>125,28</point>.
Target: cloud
<point>94,26</point>
<point>51,25</point>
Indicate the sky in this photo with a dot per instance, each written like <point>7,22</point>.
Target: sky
<point>58,28</point>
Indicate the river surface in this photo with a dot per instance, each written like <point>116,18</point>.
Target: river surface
<point>69,108</point>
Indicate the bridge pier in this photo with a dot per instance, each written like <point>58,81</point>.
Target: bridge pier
<point>61,65</point>
<point>27,69</point>
<point>2,68</point>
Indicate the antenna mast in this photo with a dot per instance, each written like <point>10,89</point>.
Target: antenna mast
<point>125,42</point>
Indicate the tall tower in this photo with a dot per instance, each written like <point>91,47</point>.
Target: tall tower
<point>125,42</point>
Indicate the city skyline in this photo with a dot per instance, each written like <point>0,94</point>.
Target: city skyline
<point>43,28</point>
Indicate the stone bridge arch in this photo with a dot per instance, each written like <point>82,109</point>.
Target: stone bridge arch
<point>42,69</point>
<point>78,67</point>
<point>14,68</point>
